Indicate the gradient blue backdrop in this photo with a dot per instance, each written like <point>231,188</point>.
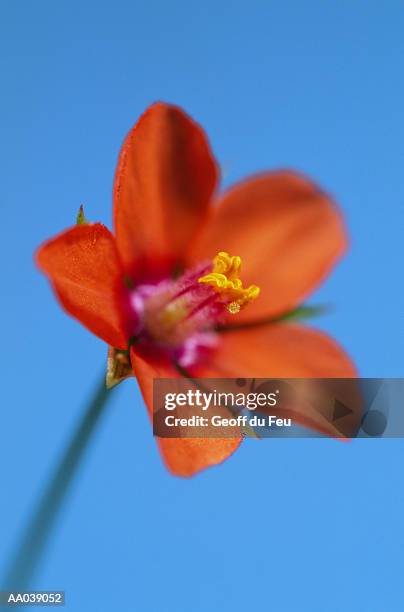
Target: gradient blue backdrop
<point>284,525</point>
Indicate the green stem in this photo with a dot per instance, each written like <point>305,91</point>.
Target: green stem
<point>38,530</point>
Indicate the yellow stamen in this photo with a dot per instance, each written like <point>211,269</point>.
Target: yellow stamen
<point>233,307</point>
<point>224,278</point>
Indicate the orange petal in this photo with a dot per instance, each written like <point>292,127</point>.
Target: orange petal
<point>164,181</point>
<point>83,265</point>
<point>182,456</point>
<point>288,233</point>
<point>283,351</point>
<point>279,350</point>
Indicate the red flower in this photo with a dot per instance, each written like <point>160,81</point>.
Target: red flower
<point>149,285</point>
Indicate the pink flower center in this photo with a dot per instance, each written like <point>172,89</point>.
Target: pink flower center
<point>179,316</point>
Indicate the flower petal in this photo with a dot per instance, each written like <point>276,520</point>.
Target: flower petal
<point>284,351</point>
<point>164,181</point>
<point>288,233</point>
<point>279,350</point>
<point>182,456</point>
<point>83,266</point>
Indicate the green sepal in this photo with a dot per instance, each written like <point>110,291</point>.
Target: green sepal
<point>81,218</point>
<point>304,312</point>
<point>119,367</point>
<point>301,313</point>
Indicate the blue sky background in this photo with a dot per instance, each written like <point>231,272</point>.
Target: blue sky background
<point>284,525</point>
